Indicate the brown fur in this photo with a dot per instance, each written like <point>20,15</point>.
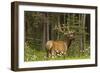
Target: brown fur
<point>56,48</point>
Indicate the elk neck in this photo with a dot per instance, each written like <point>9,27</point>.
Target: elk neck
<point>68,41</point>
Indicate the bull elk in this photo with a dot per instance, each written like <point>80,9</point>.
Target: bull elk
<point>60,47</point>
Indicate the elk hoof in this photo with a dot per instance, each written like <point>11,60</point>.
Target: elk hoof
<point>53,57</point>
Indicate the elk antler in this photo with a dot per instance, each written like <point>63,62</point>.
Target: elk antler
<point>62,28</point>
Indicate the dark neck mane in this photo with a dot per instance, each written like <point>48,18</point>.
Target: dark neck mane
<point>68,41</point>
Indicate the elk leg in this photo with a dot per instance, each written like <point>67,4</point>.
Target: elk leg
<point>64,54</point>
<point>48,53</point>
<point>53,54</point>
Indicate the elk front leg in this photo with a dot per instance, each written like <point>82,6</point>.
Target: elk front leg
<point>53,53</point>
<point>48,53</point>
<point>65,53</point>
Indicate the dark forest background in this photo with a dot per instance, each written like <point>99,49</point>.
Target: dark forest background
<point>40,27</point>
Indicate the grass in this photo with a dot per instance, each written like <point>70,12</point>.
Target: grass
<point>33,54</point>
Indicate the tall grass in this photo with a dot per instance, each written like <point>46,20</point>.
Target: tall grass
<point>33,53</point>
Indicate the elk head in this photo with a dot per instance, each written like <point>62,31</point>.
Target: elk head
<point>65,31</point>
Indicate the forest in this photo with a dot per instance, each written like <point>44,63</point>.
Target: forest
<point>41,27</point>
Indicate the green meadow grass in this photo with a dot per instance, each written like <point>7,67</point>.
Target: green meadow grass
<point>31,54</point>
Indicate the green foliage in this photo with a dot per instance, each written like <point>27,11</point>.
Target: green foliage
<point>75,51</point>
<point>33,54</point>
